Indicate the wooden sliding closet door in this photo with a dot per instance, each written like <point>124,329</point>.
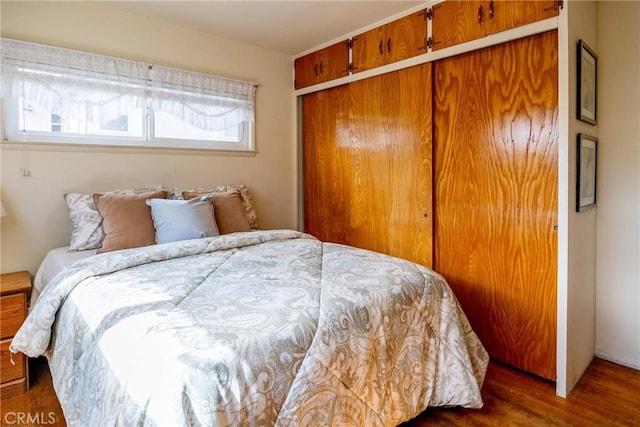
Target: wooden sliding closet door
<point>367,164</point>
<point>496,161</point>
<point>326,154</point>
<point>390,145</point>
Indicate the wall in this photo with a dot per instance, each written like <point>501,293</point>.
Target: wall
<point>576,231</point>
<point>618,180</point>
<point>37,216</point>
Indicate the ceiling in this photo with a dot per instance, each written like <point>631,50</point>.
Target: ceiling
<point>289,27</point>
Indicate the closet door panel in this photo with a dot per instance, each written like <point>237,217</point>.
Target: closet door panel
<point>326,164</point>
<point>496,195</point>
<point>390,158</point>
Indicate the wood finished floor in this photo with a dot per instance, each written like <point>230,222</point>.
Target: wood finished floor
<point>607,395</point>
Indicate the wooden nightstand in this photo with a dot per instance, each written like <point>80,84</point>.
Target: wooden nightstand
<point>15,288</point>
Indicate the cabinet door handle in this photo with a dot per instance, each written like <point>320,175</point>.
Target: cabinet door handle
<point>480,14</point>
<point>491,11</point>
<point>389,45</point>
<point>380,48</point>
<point>321,67</point>
<point>315,69</point>
<point>554,7</point>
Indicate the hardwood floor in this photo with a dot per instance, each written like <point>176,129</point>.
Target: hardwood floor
<point>39,406</point>
<point>607,395</point>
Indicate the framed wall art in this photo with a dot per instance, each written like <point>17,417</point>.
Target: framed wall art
<point>587,83</point>
<point>586,172</point>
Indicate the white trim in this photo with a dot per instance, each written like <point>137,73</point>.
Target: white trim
<point>562,298</point>
<point>89,141</point>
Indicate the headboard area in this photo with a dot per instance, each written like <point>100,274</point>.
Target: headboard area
<point>51,204</point>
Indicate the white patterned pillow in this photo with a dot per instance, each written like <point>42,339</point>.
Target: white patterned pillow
<point>247,203</point>
<point>86,222</point>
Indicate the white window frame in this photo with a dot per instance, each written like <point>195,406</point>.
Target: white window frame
<point>11,107</point>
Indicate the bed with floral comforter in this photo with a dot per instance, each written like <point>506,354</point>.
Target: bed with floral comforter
<point>258,328</point>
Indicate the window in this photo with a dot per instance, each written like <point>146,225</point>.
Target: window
<point>56,123</point>
<point>65,96</point>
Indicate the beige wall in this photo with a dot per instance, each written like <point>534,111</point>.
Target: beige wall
<point>618,222</point>
<point>37,217</point>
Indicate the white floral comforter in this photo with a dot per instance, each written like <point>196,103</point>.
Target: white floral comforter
<point>259,328</point>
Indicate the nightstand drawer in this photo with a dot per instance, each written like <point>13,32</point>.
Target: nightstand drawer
<point>9,372</point>
<point>13,311</point>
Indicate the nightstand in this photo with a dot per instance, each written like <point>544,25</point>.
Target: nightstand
<point>15,288</point>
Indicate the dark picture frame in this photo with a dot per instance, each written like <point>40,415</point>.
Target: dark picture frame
<point>586,172</point>
<point>587,83</point>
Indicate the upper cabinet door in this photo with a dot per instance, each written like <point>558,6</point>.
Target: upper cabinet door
<point>401,39</point>
<point>504,15</point>
<point>326,64</point>
<point>368,50</point>
<point>456,22</point>
<point>406,37</point>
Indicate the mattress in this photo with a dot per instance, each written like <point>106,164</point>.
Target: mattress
<point>54,262</point>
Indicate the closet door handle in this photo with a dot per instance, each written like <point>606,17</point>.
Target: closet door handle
<point>480,14</point>
<point>380,48</point>
<point>389,45</point>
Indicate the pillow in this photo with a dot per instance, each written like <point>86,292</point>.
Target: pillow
<point>126,220</point>
<point>86,222</point>
<point>182,219</point>
<point>247,203</point>
<point>228,209</point>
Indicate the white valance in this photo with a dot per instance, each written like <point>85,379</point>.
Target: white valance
<point>203,100</point>
<point>80,86</point>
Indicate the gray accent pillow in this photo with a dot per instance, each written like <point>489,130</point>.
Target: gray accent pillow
<point>182,219</point>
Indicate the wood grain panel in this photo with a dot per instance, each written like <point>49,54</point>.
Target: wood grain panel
<point>326,164</point>
<point>496,195</point>
<point>456,22</point>
<point>506,14</point>
<point>368,50</point>
<point>406,37</point>
<point>395,41</point>
<point>323,65</point>
<point>390,158</point>
<point>13,310</point>
<point>367,164</point>
<point>10,371</point>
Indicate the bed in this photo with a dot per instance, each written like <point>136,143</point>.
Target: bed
<point>54,262</point>
<point>249,328</point>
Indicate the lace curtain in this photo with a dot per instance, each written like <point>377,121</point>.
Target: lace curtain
<point>84,86</point>
<point>204,101</point>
